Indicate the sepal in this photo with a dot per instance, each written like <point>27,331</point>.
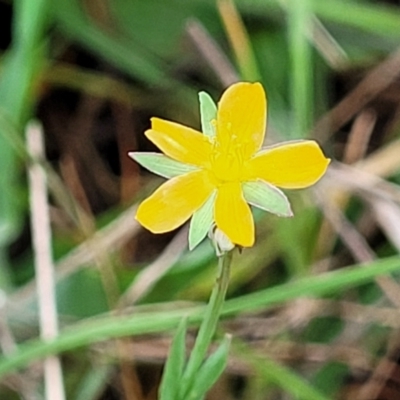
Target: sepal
<point>161,165</point>
<point>267,197</point>
<point>208,114</point>
<point>201,222</point>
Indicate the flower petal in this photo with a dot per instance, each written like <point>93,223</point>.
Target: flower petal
<point>180,142</point>
<point>242,118</point>
<point>174,202</point>
<point>233,216</point>
<point>161,165</point>
<point>201,222</point>
<point>267,197</point>
<point>292,165</point>
<point>208,114</point>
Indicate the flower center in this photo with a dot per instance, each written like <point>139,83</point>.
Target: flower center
<point>226,167</point>
<point>227,162</point>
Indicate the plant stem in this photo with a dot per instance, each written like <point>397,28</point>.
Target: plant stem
<point>210,321</point>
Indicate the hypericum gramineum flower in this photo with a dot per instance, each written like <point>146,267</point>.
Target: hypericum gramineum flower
<point>215,174</point>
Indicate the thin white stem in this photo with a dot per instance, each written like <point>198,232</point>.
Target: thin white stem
<point>44,268</point>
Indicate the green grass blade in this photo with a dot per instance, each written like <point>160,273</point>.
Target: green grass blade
<point>313,285</point>
<point>367,16</point>
<point>301,86</point>
<point>370,17</point>
<point>103,328</point>
<point>20,69</point>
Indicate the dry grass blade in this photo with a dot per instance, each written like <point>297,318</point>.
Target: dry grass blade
<point>110,238</point>
<point>44,268</point>
<point>327,46</point>
<point>239,40</point>
<point>353,312</point>
<point>24,383</point>
<point>374,83</point>
<point>355,180</point>
<point>383,162</point>
<point>383,384</point>
<point>155,350</point>
<point>353,240</point>
<point>357,244</point>
<point>387,215</point>
<point>156,270</point>
<point>360,134</point>
<point>212,53</point>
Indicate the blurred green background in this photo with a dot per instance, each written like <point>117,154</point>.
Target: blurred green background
<point>94,72</point>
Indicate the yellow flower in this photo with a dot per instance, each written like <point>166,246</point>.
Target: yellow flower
<point>215,175</point>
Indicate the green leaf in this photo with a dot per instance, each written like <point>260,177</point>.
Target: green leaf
<point>161,165</point>
<point>210,371</point>
<point>201,222</point>
<point>208,114</point>
<point>267,197</point>
<point>174,367</point>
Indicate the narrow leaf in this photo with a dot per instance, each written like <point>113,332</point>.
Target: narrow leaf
<point>174,366</point>
<point>267,197</point>
<point>208,113</point>
<point>211,370</point>
<point>201,222</point>
<point>161,165</point>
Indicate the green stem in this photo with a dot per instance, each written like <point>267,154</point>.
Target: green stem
<point>210,321</point>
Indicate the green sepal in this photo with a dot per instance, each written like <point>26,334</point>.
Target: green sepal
<point>208,114</point>
<point>211,370</point>
<point>161,165</point>
<point>201,222</point>
<point>173,370</point>
<point>267,197</point>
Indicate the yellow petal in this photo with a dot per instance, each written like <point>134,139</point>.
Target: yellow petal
<point>233,215</point>
<point>180,142</point>
<point>174,202</point>
<point>292,165</point>
<point>242,118</point>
